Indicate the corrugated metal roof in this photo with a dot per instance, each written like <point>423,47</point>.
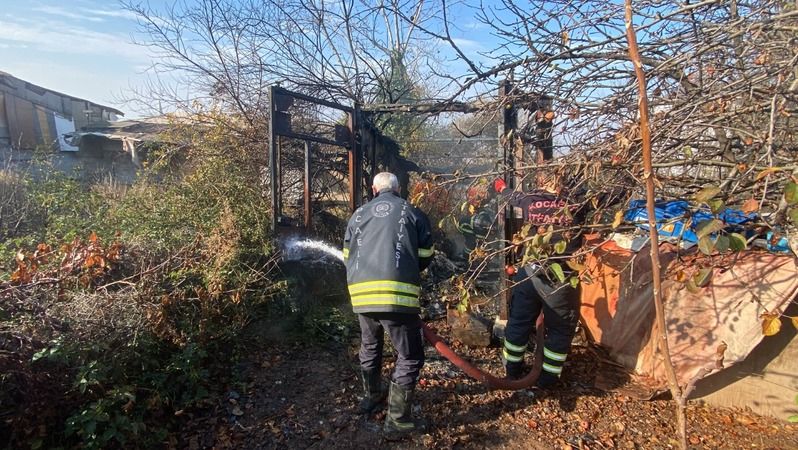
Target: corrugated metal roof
<point>11,84</point>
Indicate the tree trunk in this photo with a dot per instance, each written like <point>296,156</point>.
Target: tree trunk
<point>648,176</point>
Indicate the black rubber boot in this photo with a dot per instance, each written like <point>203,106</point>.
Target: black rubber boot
<point>547,381</point>
<point>398,421</point>
<point>374,391</point>
<point>513,371</point>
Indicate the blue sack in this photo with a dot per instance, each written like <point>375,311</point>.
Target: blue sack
<point>782,245</point>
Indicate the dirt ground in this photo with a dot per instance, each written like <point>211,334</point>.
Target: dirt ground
<point>298,396</point>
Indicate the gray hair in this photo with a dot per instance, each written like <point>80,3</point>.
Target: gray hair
<point>385,180</point>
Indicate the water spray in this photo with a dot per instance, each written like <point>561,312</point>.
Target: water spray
<point>294,249</point>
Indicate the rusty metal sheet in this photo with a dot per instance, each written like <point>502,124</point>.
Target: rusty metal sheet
<point>707,331</point>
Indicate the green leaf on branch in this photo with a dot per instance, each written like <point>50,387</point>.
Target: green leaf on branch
<point>737,242</point>
<point>530,254</point>
<point>722,244</point>
<point>560,246</point>
<point>574,282</point>
<point>706,193</point>
<point>558,272</point>
<point>706,245</point>
<point>793,213</point>
<point>465,296</point>
<point>791,193</point>
<point>548,235</point>
<point>702,277</point>
<point>525,230</point>
<point>708,227</point>
<point>716,205</point>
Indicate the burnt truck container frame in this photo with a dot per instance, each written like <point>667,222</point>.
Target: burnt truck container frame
<point>350,137</point>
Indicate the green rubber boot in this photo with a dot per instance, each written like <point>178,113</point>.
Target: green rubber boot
<point>374,391</point>
<point>398,421</point>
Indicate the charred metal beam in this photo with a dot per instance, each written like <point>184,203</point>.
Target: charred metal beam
<point>308,205</point>
<point>312,138</point>
<point>281,122</point>
<point>354,163</point>
<point>505,227</point>
<point>348,137</point>
<point>373,160</point>
<point>273,159</point>
<point>526,100</point>
<point>307,98</point>
<point>543,137</point>
<point>357,144</point>
<point>424,108</point>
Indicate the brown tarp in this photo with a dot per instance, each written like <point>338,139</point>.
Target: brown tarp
<point>708,330</point>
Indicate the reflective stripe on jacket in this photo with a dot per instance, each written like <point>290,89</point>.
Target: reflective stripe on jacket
<point>387,243</point>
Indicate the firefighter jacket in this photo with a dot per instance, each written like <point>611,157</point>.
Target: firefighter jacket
<point>544,209</point>
<point>476,227</point>
<point>388,242</point>
<point>477,224</point>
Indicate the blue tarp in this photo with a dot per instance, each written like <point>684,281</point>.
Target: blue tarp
<point>671,217</point>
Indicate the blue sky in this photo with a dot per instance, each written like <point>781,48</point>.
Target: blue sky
<point>84,47</point>
<point>78,47</point>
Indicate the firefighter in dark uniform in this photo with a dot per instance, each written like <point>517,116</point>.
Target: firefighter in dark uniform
<point>476,225</point>
<point>388,243</point>
<point>536,288</point>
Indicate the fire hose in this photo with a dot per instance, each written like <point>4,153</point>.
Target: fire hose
<point>489,380</point>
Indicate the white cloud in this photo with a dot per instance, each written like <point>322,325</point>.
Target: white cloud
<point>473,25</point>
<point>467,44</point>
<point>85,13</point>
<point>117,14</point>
<point>54,36</point>
<point>65,13</point>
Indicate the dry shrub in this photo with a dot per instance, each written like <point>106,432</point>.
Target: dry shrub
<point>100,329</point>
<point>14,202</point>
<point>109,189</point>
<point>222,248</point>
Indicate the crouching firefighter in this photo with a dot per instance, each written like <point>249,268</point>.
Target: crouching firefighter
<point>388,242</point>
<point>536,288</point>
